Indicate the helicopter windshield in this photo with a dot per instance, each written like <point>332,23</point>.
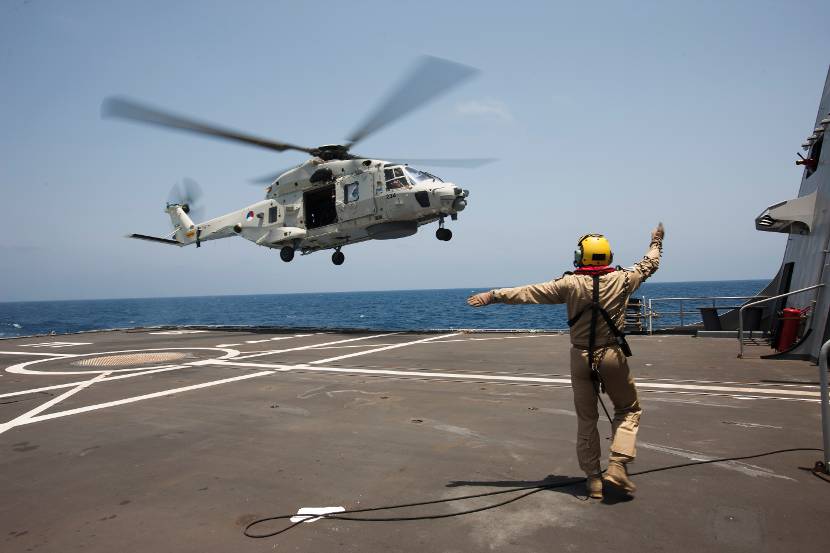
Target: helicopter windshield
<point>395,178</point>
<point>417,176</point>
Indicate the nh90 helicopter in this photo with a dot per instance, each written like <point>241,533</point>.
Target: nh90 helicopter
<point>335,198</point>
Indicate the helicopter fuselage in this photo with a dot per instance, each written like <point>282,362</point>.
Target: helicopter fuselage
<point>329,204</point>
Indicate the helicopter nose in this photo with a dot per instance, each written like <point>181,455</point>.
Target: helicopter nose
<point>452,197</point>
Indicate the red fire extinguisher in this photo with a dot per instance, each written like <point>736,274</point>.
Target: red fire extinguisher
<point>788,333</point>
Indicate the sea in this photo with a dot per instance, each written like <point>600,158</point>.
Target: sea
<point>400,310</point>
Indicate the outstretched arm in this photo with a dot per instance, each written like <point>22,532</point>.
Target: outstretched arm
<point>651,261</point>
<point>544,292</point>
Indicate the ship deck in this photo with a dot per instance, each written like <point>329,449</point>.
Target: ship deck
<point>174,440</point>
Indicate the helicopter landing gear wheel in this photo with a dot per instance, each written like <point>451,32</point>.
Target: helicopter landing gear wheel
<point>443,234</point>
<point>338,257</point>
<point>287,253</point>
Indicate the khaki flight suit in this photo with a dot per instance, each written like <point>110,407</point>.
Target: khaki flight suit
<point>576,291</point>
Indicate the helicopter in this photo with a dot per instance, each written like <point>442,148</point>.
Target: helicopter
<point>335,198</point>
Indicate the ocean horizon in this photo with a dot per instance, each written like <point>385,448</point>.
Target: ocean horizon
<point>398,310</point>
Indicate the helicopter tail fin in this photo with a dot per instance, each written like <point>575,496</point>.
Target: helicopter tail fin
<point>184,229</point>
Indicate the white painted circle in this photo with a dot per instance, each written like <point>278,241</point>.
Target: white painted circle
<point>20,368</point>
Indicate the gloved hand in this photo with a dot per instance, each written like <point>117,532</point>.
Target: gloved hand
<point>480,300</point>
<point>658,233</point>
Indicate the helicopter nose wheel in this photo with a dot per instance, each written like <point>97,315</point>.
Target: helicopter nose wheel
<point>443,234</point>
<point>287,253</point>
<point>338,257</point>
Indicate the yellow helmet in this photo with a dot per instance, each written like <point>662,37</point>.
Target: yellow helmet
<point>593,250</point>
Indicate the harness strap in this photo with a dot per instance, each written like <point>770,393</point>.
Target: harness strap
<point>619,336</point>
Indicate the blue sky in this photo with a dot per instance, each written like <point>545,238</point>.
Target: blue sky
<point>605,118</point>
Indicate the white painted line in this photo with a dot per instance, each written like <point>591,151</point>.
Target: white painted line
<point>177,332</point>
<point>745,468</point>
<point>26,417</point>
<point>227,345</point>
<point>730,389</point>
<point>314,511</point>
<point>20,368</point>
<point>134,399</point>
<point>214,362</point>
<point>390,372</point>
<point>312,346</point>
<point>647,386</point>
<point>70,384</point>
<point>56,344</point>
<point>351,346</point>
<point>278,338</point>
<point>496,338</point>
<point>55,355</point>
<point>385,348</point>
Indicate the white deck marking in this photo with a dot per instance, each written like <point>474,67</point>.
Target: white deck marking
<point>177,332</point>
<point>26,417</point>
<point>56,344</point>
<point>745,468</point>
<point>20,368</point>
<point>350,346</point>
<point>314,511</point>
<point>134,399</point>
<point>385,348</point>
<point>55,355</point>
<point>494,338</point>
<point>300,348</point>
<point>648,386</point>
<point>70,384</point>
<point>277,339</point>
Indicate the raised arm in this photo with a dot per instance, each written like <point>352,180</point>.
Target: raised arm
<point>544,292</point>
<point>651,261</point>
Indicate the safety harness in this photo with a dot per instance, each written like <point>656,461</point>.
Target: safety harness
<point>596,311</point>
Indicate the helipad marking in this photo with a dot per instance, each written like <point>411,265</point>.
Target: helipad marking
<point>54,355</point>
<point>647,386</point>
<point>134,399</point>
<point>385,348</point>
<point>745,468</point>
<point>27,417</point>
<point>56,344</point>
<point>312,346</point>
<point>177,332</point>
<point>70,384</point>
<point>350,346</point>
<point>495,338</point>
<point>20,368</point>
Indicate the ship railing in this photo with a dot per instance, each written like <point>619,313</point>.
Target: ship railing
<point>685,310</point>
<point>825,405</point>
<point>754,303</point>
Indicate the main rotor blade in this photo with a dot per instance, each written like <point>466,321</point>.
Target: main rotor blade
<point>127,109</point>
<point>467,163</point>
<point>430,78</point>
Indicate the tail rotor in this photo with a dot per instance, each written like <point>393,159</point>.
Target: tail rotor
<point>188,194</point>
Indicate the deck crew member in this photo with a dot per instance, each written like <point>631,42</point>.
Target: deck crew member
<point>596,294</point>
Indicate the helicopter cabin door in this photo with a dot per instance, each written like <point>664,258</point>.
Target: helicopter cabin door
<point>355,197</point>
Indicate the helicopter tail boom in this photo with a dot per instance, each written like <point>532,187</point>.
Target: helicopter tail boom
<point>185,230</point>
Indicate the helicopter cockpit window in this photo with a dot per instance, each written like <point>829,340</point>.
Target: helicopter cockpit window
<point>395,178</point>
<point>351,192</point>
<point>417,176</point>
